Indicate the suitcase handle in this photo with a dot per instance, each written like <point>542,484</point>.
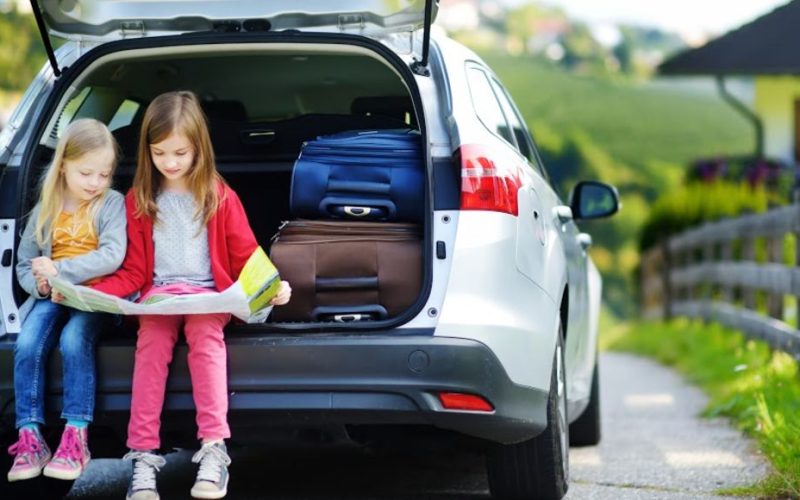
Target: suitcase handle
<point>347,318</point>
<point>343,314</point>
<point>357,211</point>
<point>342,207</point>
<point>349,283</point>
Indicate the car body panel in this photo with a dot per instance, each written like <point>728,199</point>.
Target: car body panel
<point>489,301</point>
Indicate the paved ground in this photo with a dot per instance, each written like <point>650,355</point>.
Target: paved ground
<point>654,447</point>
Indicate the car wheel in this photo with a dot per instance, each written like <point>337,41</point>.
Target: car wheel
<point>539,467</point>
<point>585,431</point>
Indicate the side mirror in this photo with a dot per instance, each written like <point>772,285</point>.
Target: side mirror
<point>593,200</point>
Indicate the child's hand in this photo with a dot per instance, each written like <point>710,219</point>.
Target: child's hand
<point>284,294</point>
<point>43,266</point>
<point>57,297</point>
<point>43,286</point>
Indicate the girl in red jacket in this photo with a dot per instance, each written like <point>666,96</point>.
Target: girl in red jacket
<point>187,233</point>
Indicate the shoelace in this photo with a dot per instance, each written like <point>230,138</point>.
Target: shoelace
<point>145,466</point>
<point>28,443</point>
<point>71,447</point>
<point>211,459</point>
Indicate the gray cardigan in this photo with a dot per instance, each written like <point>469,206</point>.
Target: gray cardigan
<point>111,245</point>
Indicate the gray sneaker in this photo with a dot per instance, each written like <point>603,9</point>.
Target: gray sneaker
<point>143,480</point>
<point>212,476</point>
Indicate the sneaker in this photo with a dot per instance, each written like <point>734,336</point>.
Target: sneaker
<point>30,453</point>
<point>143,480</point>
<point>212,476</point>
<point>72,455</point>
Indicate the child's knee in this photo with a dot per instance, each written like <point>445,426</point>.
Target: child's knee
<point>155,343</point>
<point>74,345</point>
<point>206,325</point>
<point>26,346</point>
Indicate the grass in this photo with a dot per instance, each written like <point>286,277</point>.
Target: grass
<point>757,388</point>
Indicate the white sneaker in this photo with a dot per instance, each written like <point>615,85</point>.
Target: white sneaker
<point>143,480</point>
<point>212,476</point>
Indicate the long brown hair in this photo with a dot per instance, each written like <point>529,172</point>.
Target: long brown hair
<point>179,112</point>
<point>81,137</point>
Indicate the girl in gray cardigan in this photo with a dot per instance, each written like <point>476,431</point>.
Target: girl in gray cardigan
<point>75,231</point>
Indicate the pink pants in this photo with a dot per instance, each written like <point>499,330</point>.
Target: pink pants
<point>207,361</point>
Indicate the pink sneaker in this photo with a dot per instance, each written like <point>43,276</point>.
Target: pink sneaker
<point>30,453</point>
<point>72,455</point>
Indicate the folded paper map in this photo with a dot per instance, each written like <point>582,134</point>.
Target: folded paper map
<point>247,299</point>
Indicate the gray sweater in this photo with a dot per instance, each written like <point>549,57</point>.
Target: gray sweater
<point>111,245</point>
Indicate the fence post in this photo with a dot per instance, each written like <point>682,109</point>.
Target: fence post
<point>775,255</point>
<point>666,280</point>
<point>796,231</point>
<point>708,258</point>
<point>687,258</point>
<point>749,255</point>
<point>726,255</point>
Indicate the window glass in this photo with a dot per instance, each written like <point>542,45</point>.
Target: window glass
<point>486,106</point>
<point>517,128</point>
<point>124,115</point>
<point>527,145</point>
<point>69,112</point>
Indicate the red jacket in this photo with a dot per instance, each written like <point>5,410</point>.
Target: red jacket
<point>230,244</point>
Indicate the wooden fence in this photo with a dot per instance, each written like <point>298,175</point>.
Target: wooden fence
<point>736,272</point>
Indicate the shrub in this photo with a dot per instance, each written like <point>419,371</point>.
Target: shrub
<point>700,202</point>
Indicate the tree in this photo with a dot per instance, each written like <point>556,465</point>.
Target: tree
<point>21,50</point>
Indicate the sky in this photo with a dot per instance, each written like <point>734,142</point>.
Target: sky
<point>690,17</point>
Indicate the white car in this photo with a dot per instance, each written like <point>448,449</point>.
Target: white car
<point>501,344</point>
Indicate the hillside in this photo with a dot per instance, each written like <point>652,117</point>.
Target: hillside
<point>636,124</point>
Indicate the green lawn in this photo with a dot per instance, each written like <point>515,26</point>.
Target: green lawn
<point>757,388</point>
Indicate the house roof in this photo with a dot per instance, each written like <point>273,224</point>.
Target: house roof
<point>765,46</point>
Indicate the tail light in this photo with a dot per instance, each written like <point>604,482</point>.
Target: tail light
<point>467,402</point>
<point>489,180</point>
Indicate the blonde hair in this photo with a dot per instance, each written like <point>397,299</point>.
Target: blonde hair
<point>179,112</point>
<point>81,137</point>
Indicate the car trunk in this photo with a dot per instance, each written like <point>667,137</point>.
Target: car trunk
<point>263,100</point>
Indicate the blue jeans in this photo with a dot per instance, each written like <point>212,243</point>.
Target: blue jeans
<point>40,330</point>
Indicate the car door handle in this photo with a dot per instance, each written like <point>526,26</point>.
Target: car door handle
<point>585,240</point>
<point>563,213</point>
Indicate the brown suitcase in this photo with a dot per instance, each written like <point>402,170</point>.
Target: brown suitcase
<point>347,271</point>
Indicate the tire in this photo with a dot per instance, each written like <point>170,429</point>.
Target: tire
<point>586,430</point>
<point>539,467</point>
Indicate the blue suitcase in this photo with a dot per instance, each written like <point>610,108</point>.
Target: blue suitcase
<point>367,175</point>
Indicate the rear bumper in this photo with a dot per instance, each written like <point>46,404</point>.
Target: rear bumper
<point>322,379</point>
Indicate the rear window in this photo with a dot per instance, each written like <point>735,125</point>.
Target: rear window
<point>486,106</point>
<point>125,114</point>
